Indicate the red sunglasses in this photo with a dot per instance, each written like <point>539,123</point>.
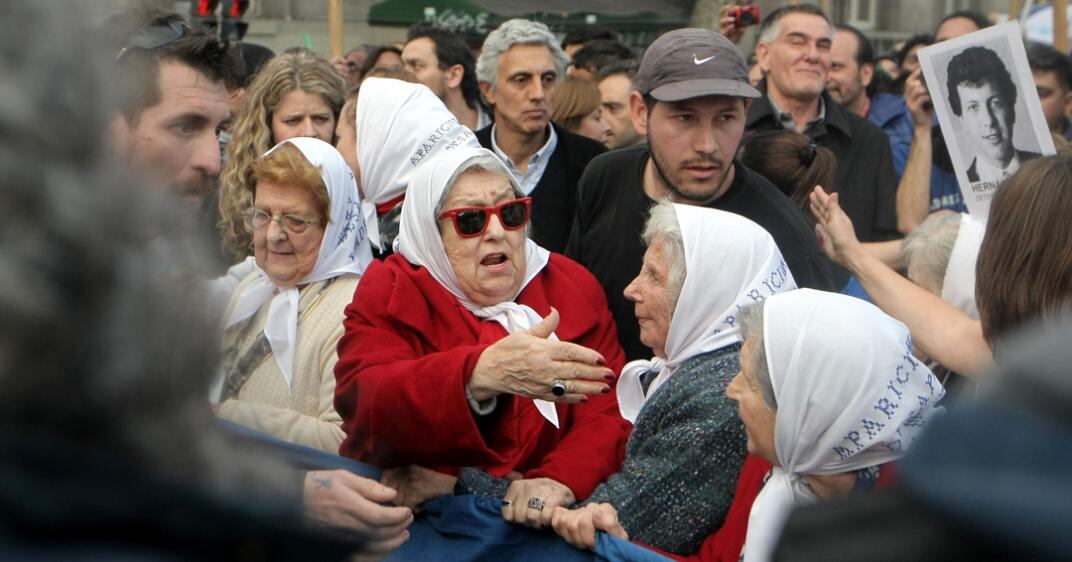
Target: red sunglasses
<point>470,222</point>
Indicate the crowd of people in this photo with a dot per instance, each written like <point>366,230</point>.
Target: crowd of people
<point>663,300</point>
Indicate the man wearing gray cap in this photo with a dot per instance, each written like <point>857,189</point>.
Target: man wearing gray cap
<point>691,99</point>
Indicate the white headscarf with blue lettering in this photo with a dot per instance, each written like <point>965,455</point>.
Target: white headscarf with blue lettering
<point>730,262</point>
<point>400,125</point>
<point>849,394</point>
<point>344,250</point>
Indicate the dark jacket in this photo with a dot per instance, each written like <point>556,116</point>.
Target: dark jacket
<point>66,500</point>
<point>554,200</point>
<point>1023,155</point>
<point>866,181</point>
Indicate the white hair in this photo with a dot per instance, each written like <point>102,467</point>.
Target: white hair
<point>662,224</point>
<point>750,319</point>
<point>927,248</point>
<point>516,32</point>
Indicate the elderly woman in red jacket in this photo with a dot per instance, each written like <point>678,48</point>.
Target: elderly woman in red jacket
<point>474,347</point>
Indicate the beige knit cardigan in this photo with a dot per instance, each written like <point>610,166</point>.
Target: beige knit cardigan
<point>305,412</point>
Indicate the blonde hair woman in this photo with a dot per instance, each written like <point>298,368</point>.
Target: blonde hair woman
<point>577,107</point>
<point>296,94</point>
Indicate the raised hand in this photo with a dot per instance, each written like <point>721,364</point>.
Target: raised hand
<point>529,364</point>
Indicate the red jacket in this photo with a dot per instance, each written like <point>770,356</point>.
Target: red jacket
<point>408,352</point>
<point>726,544</point>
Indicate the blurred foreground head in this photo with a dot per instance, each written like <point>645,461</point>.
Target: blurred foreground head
<point>100,346</point>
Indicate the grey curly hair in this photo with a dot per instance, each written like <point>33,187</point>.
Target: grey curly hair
<point>516,32</point>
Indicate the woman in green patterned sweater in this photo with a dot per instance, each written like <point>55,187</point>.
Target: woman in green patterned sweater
<point>682,460</point>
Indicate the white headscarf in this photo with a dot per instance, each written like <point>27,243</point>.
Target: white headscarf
<point>420,242</point>
<point>399,126</point>
<point>730,262</point>
<point>849,393</point>
<point>344,250</point>
<point>958,287</point>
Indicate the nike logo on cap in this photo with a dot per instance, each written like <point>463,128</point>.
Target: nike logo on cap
<point>701,61</point>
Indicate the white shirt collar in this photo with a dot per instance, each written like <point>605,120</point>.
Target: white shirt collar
<point>537,162</point>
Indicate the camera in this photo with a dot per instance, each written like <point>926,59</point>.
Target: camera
<point>744,16</point>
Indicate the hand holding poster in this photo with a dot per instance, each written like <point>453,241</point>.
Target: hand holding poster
<point>985,98</point>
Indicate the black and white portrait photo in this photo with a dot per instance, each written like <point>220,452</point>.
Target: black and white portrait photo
<point>985,98</point>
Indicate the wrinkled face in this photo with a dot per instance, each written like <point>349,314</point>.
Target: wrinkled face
<point>1054,99</point>
<point>797,61</point>
<point>758,419</point>
<point>302,114</point>
<point>286,258</point>
<point>346,142</point>
<point>614,90</point>
<point>489,267</point>
<point>987,119</point>
<point>523,89</point>
<point>174,143</point>
<point>594,126</point>
<point>419,56</point>
<point>693,143</point>
<point>846,80</point>
<point>651,298</point>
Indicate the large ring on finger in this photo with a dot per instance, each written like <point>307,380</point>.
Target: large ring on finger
<point>536,503</point>
<point>559,388</point>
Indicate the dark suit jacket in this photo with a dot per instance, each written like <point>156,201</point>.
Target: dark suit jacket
<point>1023,155</point>
<point>554,201</point>
<point>866,182</point>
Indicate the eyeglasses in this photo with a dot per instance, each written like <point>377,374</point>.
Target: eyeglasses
<point>473,221</point>
<point>154,36</point>
<point>289,223</point>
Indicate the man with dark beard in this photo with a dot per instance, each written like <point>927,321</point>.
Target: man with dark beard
<point>175,99</point>
<point>691,98</point>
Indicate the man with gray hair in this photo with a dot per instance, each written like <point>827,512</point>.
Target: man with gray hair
<point>518,69</point>
<point>794,51</point>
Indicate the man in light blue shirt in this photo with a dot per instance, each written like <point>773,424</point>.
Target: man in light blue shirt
<point>518,69</point>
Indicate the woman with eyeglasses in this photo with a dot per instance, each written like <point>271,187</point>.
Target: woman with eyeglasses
<point>296,94</point>
<point>475,347</point>
<point>285,318</point>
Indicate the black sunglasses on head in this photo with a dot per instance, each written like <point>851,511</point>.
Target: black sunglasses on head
<point>153,37</point>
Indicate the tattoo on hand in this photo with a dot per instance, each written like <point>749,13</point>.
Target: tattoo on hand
<point>323,482</point>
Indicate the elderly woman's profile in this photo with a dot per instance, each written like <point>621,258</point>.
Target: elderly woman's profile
<point>474,347</point>
<point>285,318</point>
<point>687,448</point>
<point>808,349</point>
